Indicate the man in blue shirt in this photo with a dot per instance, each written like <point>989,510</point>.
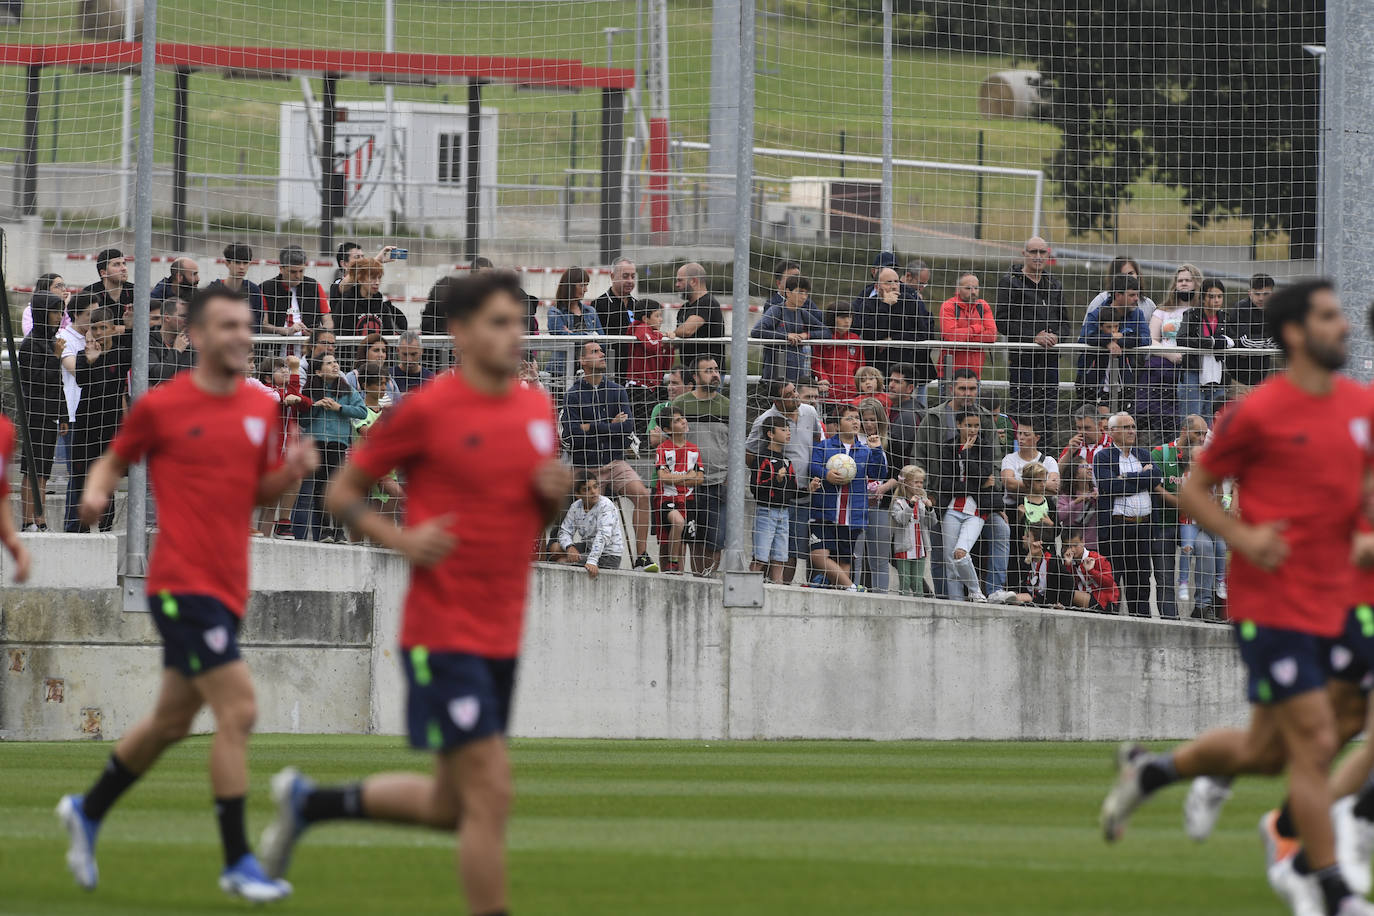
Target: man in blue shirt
<point>598,424</point>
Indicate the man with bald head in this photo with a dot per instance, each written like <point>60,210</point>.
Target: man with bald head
<point>1030,309</point>
<point>1126,479</point>
<point>180,283</point>
<point>890,310</point>
<point>700,317</point>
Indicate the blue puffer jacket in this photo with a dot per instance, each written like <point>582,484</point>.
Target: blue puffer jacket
<point>847,505</point>
<point>332,425</point>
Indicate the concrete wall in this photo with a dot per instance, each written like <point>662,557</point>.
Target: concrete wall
<point>627,656</point>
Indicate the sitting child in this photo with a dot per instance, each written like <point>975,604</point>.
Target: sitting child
<point>1094,587</point>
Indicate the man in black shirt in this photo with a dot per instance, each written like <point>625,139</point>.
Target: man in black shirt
<point>1030,309</point>
<point>113,287</point>
<point>700,317</point>
<point>889,309</point>
<point>616,308</point>
<point>295,302</point>
<point>1247,318</point>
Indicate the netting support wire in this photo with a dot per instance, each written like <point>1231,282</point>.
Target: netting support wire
<point>471,238</point>
<point>136,539</point>
<point>331,182</point>
<point>29,194</point>
<point>612,171</point>
<point>17,381</point>
<point>737,551</point>
<point>126,111</point>
<point>886,191</point>
<point>180,127</point>
<point>389,149</point>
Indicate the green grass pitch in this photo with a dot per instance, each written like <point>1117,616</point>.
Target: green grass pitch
<point>657,827</point>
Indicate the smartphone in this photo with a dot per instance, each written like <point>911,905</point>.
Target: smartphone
<point>400,254</point>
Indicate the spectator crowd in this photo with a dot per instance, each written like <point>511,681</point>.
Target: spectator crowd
<point>879,457</point>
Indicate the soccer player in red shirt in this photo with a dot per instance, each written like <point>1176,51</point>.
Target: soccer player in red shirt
<point>479,454</point>
<point>210,440</point>
<point>8,536</point>
<point>1289,607</point>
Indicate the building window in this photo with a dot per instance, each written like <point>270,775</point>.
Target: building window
<point>450,158</point>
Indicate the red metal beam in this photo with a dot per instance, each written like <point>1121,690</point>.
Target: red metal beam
<point>529,71</point>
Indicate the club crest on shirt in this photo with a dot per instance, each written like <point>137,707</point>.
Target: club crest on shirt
<point>1341,657</point>
<point>1285,671</point>
<point>1359,431</point>
<point>217,638</point>
<point>464,712</point>
<point>256,428</point>
<point>541,436</point>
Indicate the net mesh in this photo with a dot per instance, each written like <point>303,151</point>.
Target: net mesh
<point>550,135</point>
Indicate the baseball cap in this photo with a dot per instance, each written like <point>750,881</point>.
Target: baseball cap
<point>238,253</point>
<point>293,256</point>
<point>885,259</point>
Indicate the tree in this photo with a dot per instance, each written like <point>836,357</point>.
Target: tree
<point>1216,99</point>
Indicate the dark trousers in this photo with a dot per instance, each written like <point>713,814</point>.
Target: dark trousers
<point>1034,389</point>
<point>309,519</point>
<point>1128,544</point>
<point>1165,552</point>
<point>76,482</point>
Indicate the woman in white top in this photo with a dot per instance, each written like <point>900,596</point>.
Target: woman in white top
<point>1157,406</point>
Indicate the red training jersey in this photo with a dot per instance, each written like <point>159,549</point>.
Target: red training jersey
<point>1299,459</point>
<point>676,459</point>
<point>473,455</point>
<point>206,455</point>
<point>6,455</point>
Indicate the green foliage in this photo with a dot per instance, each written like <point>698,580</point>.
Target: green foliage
<point>1218,100</point>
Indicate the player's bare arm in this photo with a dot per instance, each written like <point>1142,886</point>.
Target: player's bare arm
<point>1263,545</point>
<point>100,484</point>
<point>10,538</point>
<point>424,544</point>
<point>553,481</point>
<point>298,462</point>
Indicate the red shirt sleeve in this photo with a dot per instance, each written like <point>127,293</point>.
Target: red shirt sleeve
<point>137,434</point>
<point>394,440</point>
<point>1233,440</point>
<point>324,299</point>
<point>6,455</point>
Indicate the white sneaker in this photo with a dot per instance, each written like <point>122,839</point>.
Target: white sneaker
<point>1183,593</point>
<point>979,598</point>
<point>1354,845</point>
<point>1125,795</point>
<point>1221,589</point>
<point>31,528</point>
<point>1355,906</point>
<point>1002,596</point>
<point>1202,807</point>
<point>1299,892</point>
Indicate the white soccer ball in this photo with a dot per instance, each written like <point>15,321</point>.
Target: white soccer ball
<point>843,466</point>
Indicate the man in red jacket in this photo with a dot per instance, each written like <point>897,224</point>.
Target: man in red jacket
<point>966,318</point>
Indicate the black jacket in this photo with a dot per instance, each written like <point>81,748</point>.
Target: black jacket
<point>774,483</point>
<point>165,362</point>
<point>616,316</point>
<point>126,293</point>
<point>908,320</point>
<point>103,389</point>
<point>355,314</point>
<point>276,296</point>
<point>40,372</point>
<point>964,472</point>
<point>1248,331</point>
<point>1193,333</point>
<point>1024,309</point>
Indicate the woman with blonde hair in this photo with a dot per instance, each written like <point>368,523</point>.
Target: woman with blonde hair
<point>1157,406</point>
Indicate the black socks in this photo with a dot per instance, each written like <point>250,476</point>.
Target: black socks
<point>1334,888</point>
<point>1364,802</point>
<point>332,804</point>
<point>229,811</point>
<point>114,781</point>
<point>1157,772</point>
<point>1284,825</point>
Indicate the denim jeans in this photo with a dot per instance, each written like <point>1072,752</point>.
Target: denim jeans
<point>873,552</point>
<point>772,528</point>
<point>961,532</point>
<point>999,552</point>
<point>1209,561</point>
<point>1194,397</point>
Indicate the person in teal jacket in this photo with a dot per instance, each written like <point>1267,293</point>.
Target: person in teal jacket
<point>334,407</point>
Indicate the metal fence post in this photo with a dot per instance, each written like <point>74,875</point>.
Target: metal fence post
<point>887,191</point>
<point>136,538</point>
<point>742,589</point>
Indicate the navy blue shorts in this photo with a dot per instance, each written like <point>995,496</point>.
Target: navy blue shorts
<point>1352,655</point>
<point>456,698</point>
<point>198,632</point>
<point>839,540</point>
<point>1282,664</point>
